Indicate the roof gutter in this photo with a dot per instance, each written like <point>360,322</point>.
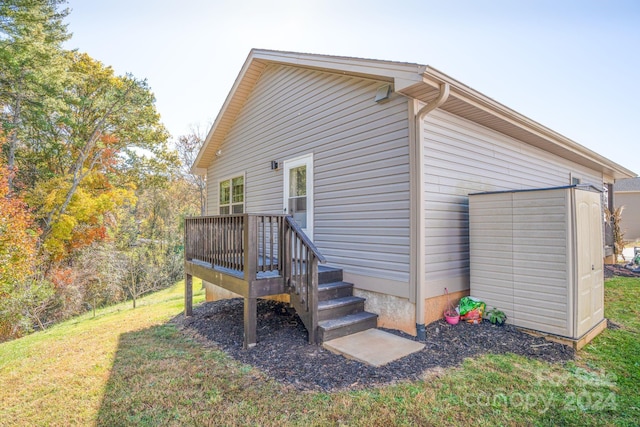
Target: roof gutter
<point>419,206</point>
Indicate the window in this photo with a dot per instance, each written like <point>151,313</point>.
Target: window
<point>232,196</point>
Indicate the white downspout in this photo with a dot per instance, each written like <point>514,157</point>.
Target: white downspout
<point>419,206</point>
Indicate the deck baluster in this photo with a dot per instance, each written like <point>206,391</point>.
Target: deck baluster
<point>269,252</point>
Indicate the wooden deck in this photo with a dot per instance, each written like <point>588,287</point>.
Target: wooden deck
<point>254,255</point>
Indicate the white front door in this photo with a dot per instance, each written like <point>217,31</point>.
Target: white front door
<point>298,191</point>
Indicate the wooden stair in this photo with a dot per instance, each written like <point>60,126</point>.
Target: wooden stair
<point>339,312</point>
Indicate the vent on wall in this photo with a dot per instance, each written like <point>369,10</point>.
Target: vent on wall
<point>383,93</point>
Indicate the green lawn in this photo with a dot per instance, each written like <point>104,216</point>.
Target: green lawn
<point>129,366</point>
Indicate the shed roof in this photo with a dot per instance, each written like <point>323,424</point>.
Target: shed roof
<point>416,81</point>
<point>629,184</point>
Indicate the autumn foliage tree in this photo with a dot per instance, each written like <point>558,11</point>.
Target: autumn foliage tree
<point>21,294</point>
<point>108,127</point>
<point>188,147</point>
<point>90,189</point>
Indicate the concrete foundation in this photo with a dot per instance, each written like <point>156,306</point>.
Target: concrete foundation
<point>434,307</point>
<point>393,312</point>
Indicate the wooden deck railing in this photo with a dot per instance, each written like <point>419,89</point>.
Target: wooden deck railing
<point>301,261</point>
<point>244,243</point>
<point>256,247</point>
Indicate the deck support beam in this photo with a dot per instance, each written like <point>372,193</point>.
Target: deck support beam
<point>250,321</point>
<point>188,295</point>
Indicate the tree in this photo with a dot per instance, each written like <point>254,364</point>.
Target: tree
<point>145,270</point>
<point>23,295</point>
<point>615,219</point>
<point>99,274</point>
<point>188,147</point>
<point>111,136</point>
<point>32,66</point>
<point>89,215</point>
<point>92,199</point>
<point>149,236</point>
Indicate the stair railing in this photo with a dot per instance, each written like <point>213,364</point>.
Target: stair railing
<point>301,258</point>
<point>253,244</point>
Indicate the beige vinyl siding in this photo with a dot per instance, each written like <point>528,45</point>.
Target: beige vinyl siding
<point>361,164</point>
<point>630,223</point>
<point>462,157</point>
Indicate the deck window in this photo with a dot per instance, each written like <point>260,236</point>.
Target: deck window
<point>232,196</point>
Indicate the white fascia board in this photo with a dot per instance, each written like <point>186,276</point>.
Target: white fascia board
<point>225,105</point>
<point>402,74</point>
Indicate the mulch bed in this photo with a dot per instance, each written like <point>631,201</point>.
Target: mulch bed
<point>611,270</point>
<point>284,354</point>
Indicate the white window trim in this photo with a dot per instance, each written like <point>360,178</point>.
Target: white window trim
<point>244,192</point>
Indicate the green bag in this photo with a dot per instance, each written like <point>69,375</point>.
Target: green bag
<point>468,304</point>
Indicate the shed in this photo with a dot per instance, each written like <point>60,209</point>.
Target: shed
<point>537,256</point>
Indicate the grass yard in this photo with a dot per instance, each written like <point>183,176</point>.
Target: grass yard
<point>129,366</point>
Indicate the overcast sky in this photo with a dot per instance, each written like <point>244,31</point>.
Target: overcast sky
<point>573,66</point>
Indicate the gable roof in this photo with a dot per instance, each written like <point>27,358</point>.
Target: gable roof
<point>416,81</point>
<point>631,184</point>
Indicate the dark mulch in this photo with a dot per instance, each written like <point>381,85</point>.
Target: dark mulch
<point>284,354</point>
<point>611,270</point>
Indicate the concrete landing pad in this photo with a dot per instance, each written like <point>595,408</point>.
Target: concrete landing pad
<point>373,347</point>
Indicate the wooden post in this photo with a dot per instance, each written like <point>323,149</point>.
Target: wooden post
<point>313,296</point>
<point>250,273</point>
<point>250,248</point>
<point>188,295</point>
<point>250,322</point>
<point>283,254</point>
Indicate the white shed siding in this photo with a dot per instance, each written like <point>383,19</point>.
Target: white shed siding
<point>541,260</point>
<point>491,231</point>
<point>361,164</point>
<point>462,157</point>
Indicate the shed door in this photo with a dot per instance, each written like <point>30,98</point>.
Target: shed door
<point>298,192</point>
<point>590,291</point>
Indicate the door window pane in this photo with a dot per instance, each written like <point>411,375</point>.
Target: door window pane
<point>298,195</point>
<point>298,208</point>
<point>298,181</point>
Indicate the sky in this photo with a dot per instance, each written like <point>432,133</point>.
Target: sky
<point>571,65</point>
